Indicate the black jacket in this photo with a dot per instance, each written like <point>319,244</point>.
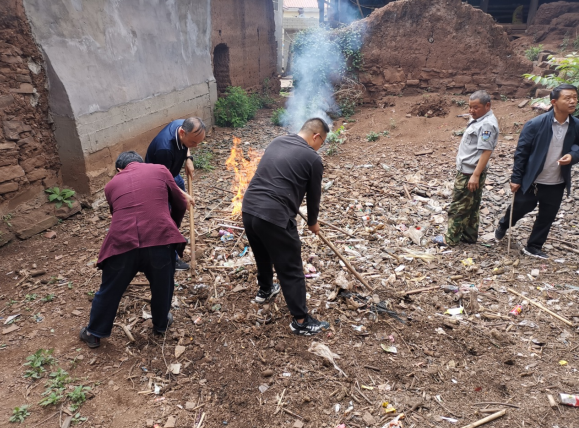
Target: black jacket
<point>533,146</point>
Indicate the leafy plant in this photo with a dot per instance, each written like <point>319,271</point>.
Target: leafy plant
<point>20,413</point>
<point>334,139</point>
<point>52,397</point>
<point>566,71</point>
<point>277,116</point>
<point>78,396</point>
<point>235,108</point>
<point>385,133</point>
<point>533,52</point>
<point>347,107</point>
<point>30,297</point>
<point>372,136</point>
<point>60,196</point>
<point>460,103</point>
<point>504,98</point>
<point>6,218</point>
<point>58,379</point>
<point>48,298</point>
<point>202,158</point>
<point>77,418</point>
<point>36,361</point>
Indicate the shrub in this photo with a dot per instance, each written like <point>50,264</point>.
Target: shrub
<point>533,52</point>
<point>202,158</point>
<point>334,139</point>
<point>372,136</point>
<point>277,116</point>
<point>235,108</point>
<point>347,107</point>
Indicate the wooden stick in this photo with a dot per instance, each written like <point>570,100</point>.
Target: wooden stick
<point>330,225</point>
<point>494,403</point>
<point>487,419</point>
<point>574,250</point>
<point>346,262</point>
<point>511,222</point>
<point>191,226</point>
<point>420,290</point>
<point>538,305</point>
<point>126,330</point>
<point>201,420</point>
<point>289,412</point>
<point>407,192</point>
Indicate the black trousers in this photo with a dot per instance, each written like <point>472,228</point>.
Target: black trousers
<point>282,248</point>
<point>158,265</point>
<point>549,198</point>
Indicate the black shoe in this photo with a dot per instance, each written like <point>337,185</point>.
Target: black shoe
<point>500,233</point>
<point>169,322</point>
<point>181,265</point>
<point>89,339</point>
<point>464,241</point>
<point>263,296</point>
<point>535,252</point>
<point>309,327</point>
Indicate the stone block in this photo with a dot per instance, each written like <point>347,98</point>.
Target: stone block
<point>35,191</point>
<point>393,75</point>
<point>37,174</point>
<point>7,146</point>
<point>541,92</point>
<point>10,59</point>
<point>8,173</point>
<point>412,82</point>
<point>6,237</point>
<point>507,82</point>
<point>8,187</point>
<point>13,129</point>
<point>463,80</point>
<point>65,212</point>
<point>6,101</point>
<point>30,224</point>
<point>24,78</point>
<point>29,164</point>
<point>25,88</point>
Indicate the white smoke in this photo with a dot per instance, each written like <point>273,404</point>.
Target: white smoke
<point>316,65</point>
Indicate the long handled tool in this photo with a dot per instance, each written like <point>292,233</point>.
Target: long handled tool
<point>511,222</point>
<point>346,262</point>
<point>191,226</point>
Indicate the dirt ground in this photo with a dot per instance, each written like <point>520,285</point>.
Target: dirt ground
<point>240,364</point>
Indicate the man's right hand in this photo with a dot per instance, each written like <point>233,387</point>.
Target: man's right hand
<point>190,201</point>
<point>515,187</point>
<point>315,228</point>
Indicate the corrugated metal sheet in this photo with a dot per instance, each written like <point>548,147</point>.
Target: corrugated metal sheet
<point>300,3</point>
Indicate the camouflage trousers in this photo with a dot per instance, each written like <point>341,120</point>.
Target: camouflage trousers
<point>463,214</point>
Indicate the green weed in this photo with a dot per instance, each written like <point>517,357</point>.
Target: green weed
<point>60,196</point>
<point>78,396</point>
<point>533,52</point>
<point>48,298</point>
<point>235,108</point>
<point>372,136</point>
<point>277,116</point>
<point>202,158</point>
<point>37,361</point>
<point>20,413</point>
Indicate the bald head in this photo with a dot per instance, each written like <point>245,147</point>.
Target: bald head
<point>192,132</point>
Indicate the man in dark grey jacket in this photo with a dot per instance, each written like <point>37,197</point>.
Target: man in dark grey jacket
<point>542,167</point>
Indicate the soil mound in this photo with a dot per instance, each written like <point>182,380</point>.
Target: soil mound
<point>416,45</point>
<point>431,107</point>
<point>555,27</point>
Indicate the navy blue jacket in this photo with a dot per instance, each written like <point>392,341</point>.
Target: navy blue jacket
<point>165,149</point>
<point>533,146</point>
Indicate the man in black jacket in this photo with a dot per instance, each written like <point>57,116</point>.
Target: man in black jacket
<point>289,168</point>
<point>542,167</point>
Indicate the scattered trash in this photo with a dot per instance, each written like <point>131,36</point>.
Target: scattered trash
<point>455,311</point>
<point>263,388</point>
<point>323,351</point>
<point>390,349</point>
<point>516,310</point>
<point>569,399</point>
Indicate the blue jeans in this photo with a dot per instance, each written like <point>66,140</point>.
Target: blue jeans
<point>158,265</point>
<point>180,182</point>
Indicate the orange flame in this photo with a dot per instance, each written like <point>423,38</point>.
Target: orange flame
<point>244,170</point>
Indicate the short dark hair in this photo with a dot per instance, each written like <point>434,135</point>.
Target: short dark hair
<point>316,125</point>
<point>126,158</point>
<point>482,95</point>
<point>555,93</point>
<point>193,124</point>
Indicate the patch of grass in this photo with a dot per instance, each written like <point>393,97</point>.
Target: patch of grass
<point>36,363</point>
<point>202,158</point>
<point>372,136</point>
<point>459,103</point>
<point>52,397</point>
<point>277,116</point>
<point>60,197</point>
<point>386,133</point>
<point>533,52</point>
<point>78,396</point>
<point>20,413</point>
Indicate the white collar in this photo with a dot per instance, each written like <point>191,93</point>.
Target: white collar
<point>557,122</point>
<point>177,139</point>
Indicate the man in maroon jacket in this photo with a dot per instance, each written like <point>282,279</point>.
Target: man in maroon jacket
<point>143,236</point>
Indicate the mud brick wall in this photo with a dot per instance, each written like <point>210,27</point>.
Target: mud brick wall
<point>243,39</point>
<point>555,22</point>
<point>442,46</point>
<point>28,154</point>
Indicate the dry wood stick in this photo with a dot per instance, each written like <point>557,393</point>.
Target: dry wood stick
<point>420,290</point>
<point>487,419</point>
<point>407,192</point>
<point>330,225</point>
<point>511,223</point>
<point>538,305</point>
<point>574,250</point>
<point>493,403</point>
<point>191,226</point>
<point>346,262</point>
<point>126,330</point>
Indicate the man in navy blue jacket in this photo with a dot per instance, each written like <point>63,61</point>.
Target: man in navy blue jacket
<point>542,167</point>
<point>171,148</point>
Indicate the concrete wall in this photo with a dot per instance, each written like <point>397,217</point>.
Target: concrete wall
<point>247,28</point>
<point>119,71</point>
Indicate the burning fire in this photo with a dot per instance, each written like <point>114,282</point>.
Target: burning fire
<point>244,170</point>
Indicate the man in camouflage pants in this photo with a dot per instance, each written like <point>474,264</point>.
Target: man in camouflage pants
<point>477,144</point>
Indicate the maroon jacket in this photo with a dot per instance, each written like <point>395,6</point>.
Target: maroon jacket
<point>139,198</point>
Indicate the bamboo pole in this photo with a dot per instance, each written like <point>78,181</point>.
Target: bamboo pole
<point>346,262</point>
<point>538,305</point>
<point>191,226</point>
<point>487,419</point>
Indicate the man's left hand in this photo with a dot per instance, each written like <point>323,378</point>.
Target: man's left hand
<point>189,168</point>
<point>473,183</point>
<point>315,228</point>
<point>190,201</point>
<point>565,160</point>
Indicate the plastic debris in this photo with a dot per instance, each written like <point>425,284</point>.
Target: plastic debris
<point>323,351</point>
<point>455,311</point>
<point>516,310</point>
<point>389,349</point>
<point>569,400</point>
